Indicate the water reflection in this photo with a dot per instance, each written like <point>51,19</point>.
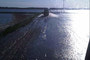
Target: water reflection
<point>74,30</point>
<point>79,31</point>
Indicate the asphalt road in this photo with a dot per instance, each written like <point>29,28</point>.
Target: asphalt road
<point>55,37</point>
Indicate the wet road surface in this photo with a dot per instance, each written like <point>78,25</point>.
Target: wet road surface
<point>55,37</point>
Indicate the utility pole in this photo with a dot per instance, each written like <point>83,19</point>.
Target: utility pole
<point>63,6</point>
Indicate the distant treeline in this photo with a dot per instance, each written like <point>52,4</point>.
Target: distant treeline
<point>42,8</point>
<point>21,8</point>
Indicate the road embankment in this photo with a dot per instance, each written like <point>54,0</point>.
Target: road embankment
<point>18,25</point>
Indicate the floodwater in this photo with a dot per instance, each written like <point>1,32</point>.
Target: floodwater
<point>63,36</point>
<point>21,10</point>
<point>5,18</point>
<point>10,19</point>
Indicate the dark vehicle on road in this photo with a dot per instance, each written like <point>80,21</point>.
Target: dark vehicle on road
<point>46,12</point>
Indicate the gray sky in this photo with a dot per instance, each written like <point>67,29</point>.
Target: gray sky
<point>45,3</point>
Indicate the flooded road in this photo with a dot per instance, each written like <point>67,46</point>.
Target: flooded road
<point>63,36</point>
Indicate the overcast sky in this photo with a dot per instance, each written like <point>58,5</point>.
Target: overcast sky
<point>45,3</point>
